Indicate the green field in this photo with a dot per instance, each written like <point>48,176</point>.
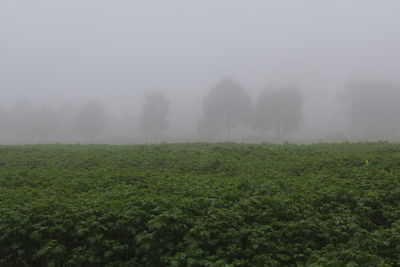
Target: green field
<point>200,205</point>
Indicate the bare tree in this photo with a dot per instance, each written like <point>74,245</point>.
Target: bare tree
<point>227,104</point>
<point>154,119</point>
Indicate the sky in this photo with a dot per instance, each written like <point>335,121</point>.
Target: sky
<point>115,51</point>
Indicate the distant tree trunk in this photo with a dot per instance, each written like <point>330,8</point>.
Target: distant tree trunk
<point>228,127</point>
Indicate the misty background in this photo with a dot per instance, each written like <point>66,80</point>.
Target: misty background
<point>142,71</point>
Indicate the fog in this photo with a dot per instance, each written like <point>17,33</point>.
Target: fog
<point>97,71</point>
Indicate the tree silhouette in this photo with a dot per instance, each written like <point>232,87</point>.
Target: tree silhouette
<point>227,104</point>
<point>374,109</point>
<point>280,111</point>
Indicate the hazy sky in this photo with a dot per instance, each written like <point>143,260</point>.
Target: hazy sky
<point>114,51</point>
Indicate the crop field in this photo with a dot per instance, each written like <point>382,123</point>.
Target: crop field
<point>200,205</point>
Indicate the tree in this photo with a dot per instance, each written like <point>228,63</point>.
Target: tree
<point>280,111</point>
<point>91,120</point>
<point>154,119</point>
<point>374,109</point>
<point>227,104</point>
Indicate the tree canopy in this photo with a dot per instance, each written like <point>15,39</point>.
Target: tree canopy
<point>227,104</point>
<point>374,109</point>
<point>278,110</point>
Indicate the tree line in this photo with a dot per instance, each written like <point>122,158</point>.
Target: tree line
<point>372,110</point>
<point>228,105</point>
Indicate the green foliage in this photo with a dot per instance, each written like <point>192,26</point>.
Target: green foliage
<point>200,205</point>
